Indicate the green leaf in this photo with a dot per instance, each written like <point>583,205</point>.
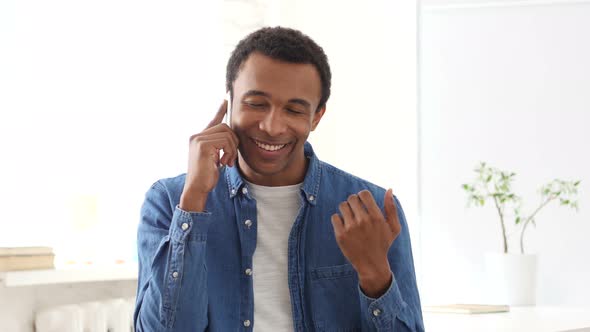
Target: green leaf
<point>489,178</point>
<point>577,183</point>
<point>517,220</point>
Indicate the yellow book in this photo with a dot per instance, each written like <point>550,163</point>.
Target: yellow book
<point>23,262</point>
<point>25,251</point>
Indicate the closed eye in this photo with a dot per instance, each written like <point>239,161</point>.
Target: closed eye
<point>290,110</point>
<point>255,105</point>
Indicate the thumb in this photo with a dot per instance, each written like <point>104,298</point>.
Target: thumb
<point>391,212</point>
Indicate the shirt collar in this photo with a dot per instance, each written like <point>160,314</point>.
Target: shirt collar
<point>311,182</point>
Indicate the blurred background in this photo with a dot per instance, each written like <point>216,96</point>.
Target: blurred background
<point>98,100</point>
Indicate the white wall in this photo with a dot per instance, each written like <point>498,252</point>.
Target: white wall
<point>510,85</point>
<point>99,98</point>
<point>96,98</point>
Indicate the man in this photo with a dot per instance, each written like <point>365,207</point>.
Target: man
<point>267,236</point>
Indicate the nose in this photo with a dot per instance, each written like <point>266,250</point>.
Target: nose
<point>273,122</point>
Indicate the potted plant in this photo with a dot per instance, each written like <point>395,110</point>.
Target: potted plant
<point>513,275</point>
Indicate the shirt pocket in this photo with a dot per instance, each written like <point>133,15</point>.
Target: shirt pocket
<point>334,297</point>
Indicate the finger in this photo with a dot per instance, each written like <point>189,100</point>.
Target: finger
<point>359,211</point>
<point>235,139</point>
<point>338,224</point>
<point>391,212</point>
<point>230,147</point>
<point>213,147</point>
<point>220,128</point>
<point>221,141</point>
<point>217,159</point>
<point>369,202</point>
<point>347,214</point>
<point>231,155</point>
<point>219,115</point>
<point>225,159</point>
<point>229,158</point>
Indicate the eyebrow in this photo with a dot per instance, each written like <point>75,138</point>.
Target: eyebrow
<point>299,101</point>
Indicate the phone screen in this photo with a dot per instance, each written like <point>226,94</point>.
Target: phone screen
<point>227,118</point>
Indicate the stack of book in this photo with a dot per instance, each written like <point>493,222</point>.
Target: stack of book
<point>26,258</point>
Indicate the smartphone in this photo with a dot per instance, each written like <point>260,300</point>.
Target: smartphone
<point>227,118</point>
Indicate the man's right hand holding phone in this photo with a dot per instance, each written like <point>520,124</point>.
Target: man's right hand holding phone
<point>204,161</point>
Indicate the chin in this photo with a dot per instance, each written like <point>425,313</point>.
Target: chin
<point>265,168</point>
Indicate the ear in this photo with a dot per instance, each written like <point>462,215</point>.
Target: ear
<point>317,116</point>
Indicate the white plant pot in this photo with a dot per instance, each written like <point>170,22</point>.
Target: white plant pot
<point>512,278</point>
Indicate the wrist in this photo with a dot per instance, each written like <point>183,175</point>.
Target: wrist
<point>375,283</point>
<point>193,202</point>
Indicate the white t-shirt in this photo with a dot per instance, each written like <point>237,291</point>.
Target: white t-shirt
<point>277,208</point>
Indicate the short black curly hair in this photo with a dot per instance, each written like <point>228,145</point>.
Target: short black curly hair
<point>282,44</point>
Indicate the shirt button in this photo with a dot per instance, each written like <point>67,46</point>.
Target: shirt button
<point>311,197</point>
<point>376,312</point>
<point>244,190</point>
<point>184,226</point>
<point>175,274</point>
<point>248,272</point>
<point>233,191</point>
<point>248,223</point>
<point>247,323</point>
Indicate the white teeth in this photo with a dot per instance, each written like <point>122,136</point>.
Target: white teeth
<point>268,147</point>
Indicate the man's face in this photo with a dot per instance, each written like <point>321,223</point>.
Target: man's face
<point>274,109</point>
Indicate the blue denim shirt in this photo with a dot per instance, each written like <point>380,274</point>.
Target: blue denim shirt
<point>192,265</point>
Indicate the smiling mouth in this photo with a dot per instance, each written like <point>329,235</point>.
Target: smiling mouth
<point>269,147</point>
